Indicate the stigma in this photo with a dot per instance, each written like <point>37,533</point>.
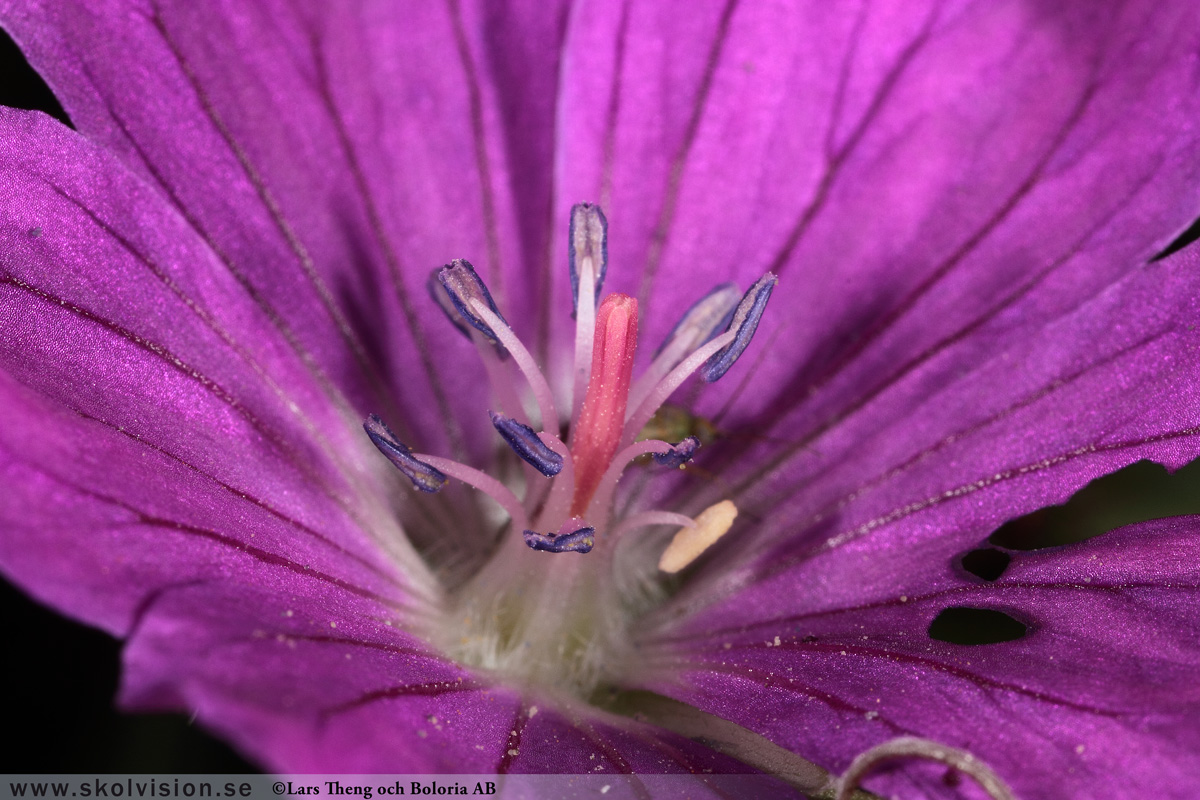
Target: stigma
<point>575,457</point>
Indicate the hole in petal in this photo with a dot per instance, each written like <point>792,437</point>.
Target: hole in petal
<point>22,87</point>
<point>962,625</point>
<point>1136,493</point>
<point>1191,234</point>
<point>986,562</point>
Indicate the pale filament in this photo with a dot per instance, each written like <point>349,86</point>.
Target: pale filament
<point>585,333</point>
<point>498,375</point>
<point>483,482</point>
<point>563,489</point>
<point>635,420</point>
<point>645,519</point>
<point>525,362</point>
<point>602,499</point>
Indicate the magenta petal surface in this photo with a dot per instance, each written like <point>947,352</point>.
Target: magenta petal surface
<point>1104,675</point>
<point>178,433</point>
<point>206,289</point>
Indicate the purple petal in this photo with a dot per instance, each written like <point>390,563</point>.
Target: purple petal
<point>1101,685</point>
<point>297,680</point>
<point>168,419</point>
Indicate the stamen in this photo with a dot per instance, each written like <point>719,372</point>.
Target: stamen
<point>499,376</point>
<point>602,499</point>
<point>484,483</point>
<point>588,254</point>
<point>717,356</point>
<point>525,442</point>
<point>698,325</point>
<point>711,524</point>
<point>635,420</point>
<point>744,323</point>
<point>443,301</point>
<point>600,424</point>
<point>564,485</point>
<point>424,476</point>
<point>587,257</point>
<point>645,519</point>
<point>525,362</point>
<point>678,455</point>
<point>574,537</point>
<point>465,289</point>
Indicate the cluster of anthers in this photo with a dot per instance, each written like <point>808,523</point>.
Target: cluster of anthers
<point>565,626</point>
<point>500,614</point>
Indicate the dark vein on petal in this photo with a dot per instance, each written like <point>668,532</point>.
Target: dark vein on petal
<point>666,217</point>
<point>925,452</point>
<point>999,477</point>
<point>431,689</point>
<point>179,365</point>
<point>612,755</point>
<point>512,739</point>
<point>980,681</point>
<point>910,300</point>
<point>839,94</point>
<point>336,396</point>
<point>152,598</point>
<point>257,553</point>
<point>207,320</point>
<point>483,164</point>
<point>680,757</point>
<point>244,496</point>
<point>315,433</point>
<point>383,647</point>
<point>800,445</point>
<point>1073,587</point>
<point>154,348</point>
<point>391,258</point>
<point>613,112</point>
<point>776,681</point>
<point>264,556</point>
<point>961,334</point>
<point>299,250</point>
<point>841,157</point>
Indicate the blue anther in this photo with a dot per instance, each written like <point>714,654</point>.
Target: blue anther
<point>707,317</point>
<point>442,298</point>
<point>464,286</point>
<point>434,287</point>
<point>745,321</point>
<point>525,442</point>
<point>577,541</point>
<point>587,237</point>
<point>678,455</point>
<point>423,476</point>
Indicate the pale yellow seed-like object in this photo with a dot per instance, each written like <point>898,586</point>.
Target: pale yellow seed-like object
<point>689,543</point>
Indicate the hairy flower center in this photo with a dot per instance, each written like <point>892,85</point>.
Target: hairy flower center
<point>561,620</point>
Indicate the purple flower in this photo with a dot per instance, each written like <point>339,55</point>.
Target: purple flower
<point>207,289</point>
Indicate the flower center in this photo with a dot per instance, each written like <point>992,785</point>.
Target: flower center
<point>563,624</point>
